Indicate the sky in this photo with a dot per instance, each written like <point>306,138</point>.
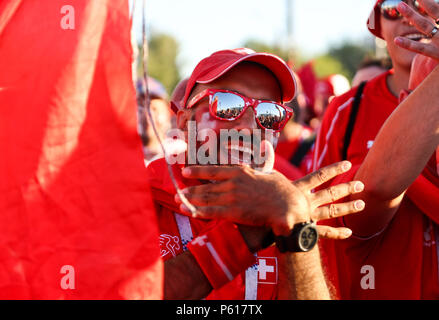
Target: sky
<point>205,26</point>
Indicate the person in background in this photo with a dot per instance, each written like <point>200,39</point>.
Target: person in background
<point>393,251</point>
<point>308,80</point>
<point>296,140</point>
<point>161,114</point>
<point>369,69</point>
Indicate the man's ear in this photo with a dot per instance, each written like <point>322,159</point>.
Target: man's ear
<point>183,116</point>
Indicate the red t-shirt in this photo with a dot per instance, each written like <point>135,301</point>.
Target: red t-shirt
<point>259,282</point>
<point>403,258</point>
<point>287,169</point>
<point>288,148</point>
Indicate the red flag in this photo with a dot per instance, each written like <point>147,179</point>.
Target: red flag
<point>76,219</point>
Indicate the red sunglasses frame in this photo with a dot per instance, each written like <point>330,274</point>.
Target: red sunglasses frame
<point>248,102</point>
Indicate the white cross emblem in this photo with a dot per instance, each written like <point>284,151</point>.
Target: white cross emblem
<point>264,269</point>
<point>201,240</point>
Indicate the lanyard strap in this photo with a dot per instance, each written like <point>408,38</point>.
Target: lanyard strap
<point>185,229</point>
<point>251,282</point>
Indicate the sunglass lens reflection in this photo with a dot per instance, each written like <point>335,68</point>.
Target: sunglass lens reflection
<point>270,116</point>
<point>388,9</point>
<point>227,105</point>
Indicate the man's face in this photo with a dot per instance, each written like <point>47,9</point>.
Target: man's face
<point>161,115</point>
<point>390,29</point>
<point>248,79</point>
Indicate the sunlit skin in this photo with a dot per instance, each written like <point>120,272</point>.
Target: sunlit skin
<point>248,79</point>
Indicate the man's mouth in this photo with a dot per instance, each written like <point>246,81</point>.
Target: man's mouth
<point>415,36</point>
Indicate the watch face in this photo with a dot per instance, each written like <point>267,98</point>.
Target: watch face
<point>308,238</point>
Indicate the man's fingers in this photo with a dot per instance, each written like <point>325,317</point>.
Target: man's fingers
<point>327,232</point>
<point>212,187</point>
<point>220,212</point>
<point>211,172</point>
<point>322,175</point>
<point>206,199</point>
<point>206,212</point>
<point>425,49</point>
<point>338,210</point>
<point>421,23</point>
<point>334,193</point>
<point>431,7</point>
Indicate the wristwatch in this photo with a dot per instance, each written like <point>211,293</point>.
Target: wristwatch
<point>303,238</point>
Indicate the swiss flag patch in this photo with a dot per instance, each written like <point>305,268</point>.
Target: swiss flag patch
<point>267,270</point>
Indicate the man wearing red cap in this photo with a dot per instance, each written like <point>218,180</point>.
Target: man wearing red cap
<point>209,257</point>
<point>392,253</point>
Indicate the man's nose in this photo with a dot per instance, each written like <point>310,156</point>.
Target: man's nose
<point>246,121</point>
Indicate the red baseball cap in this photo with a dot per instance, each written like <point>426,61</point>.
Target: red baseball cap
<point>373,23</point>
<point>217,64</point>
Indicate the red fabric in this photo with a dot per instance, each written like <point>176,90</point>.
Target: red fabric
<point>221,261</point>
<point>286,149</point>
<point>163,193</point>
<point>403,256</point>
<point>73,183</point>
<point>325,87</point>
<point>287,169</point>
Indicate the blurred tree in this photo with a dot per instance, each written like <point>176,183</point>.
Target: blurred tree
<point>351,54</point>
<point>325,65</point>
<point>343,58</point>
<point>162,56</point>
